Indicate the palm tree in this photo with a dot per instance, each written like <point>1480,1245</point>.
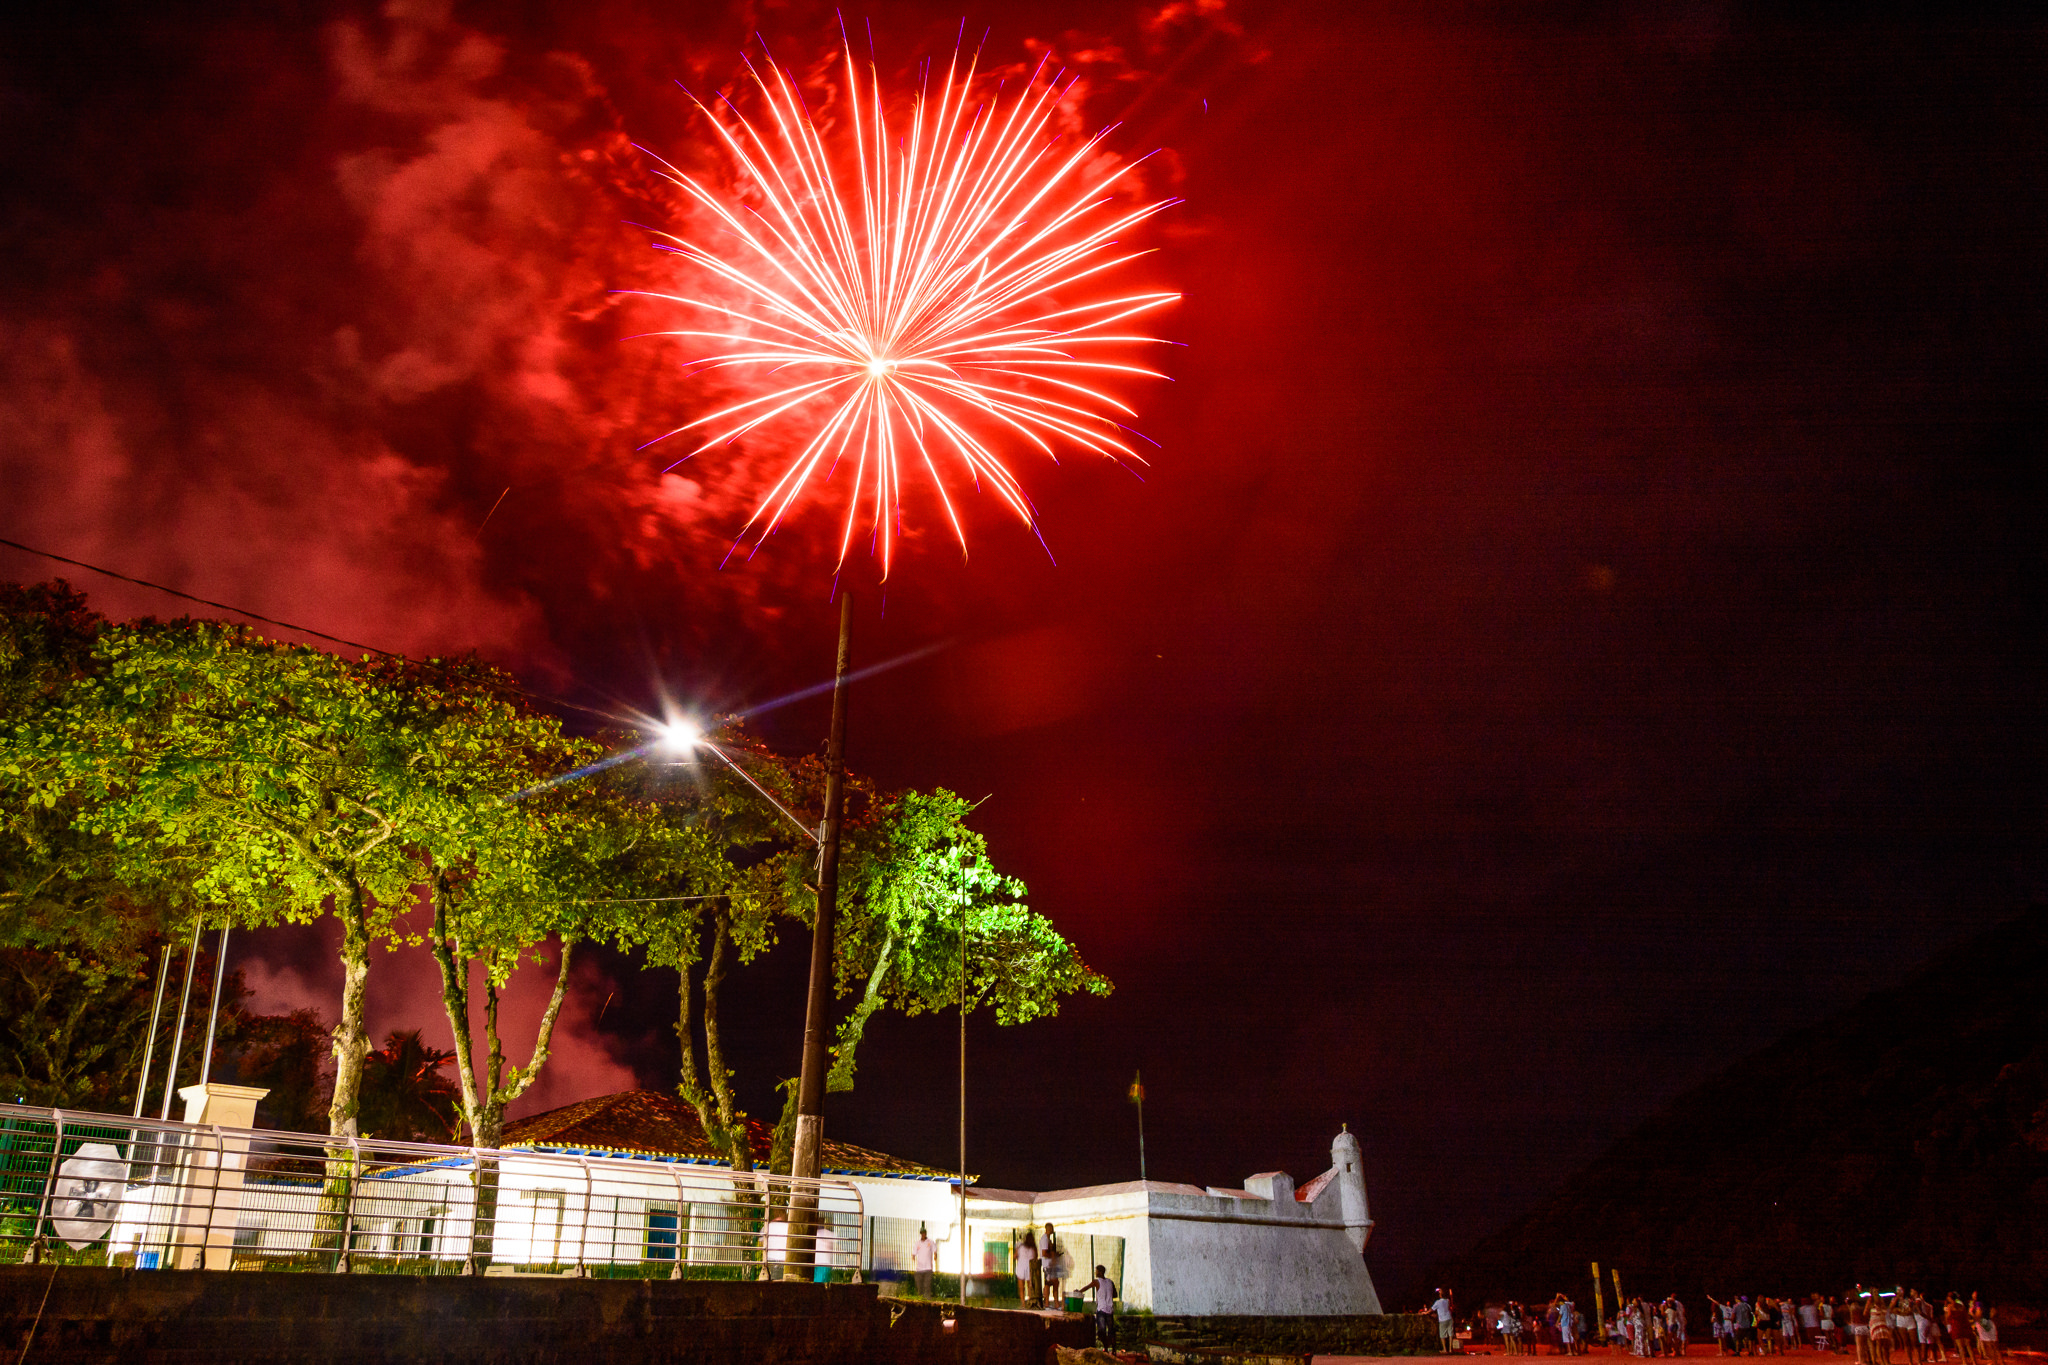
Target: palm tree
<point>406,1093</point>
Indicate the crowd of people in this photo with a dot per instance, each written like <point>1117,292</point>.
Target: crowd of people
<point>1878,1327</point>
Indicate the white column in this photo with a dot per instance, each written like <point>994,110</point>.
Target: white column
<point>210,1179</point>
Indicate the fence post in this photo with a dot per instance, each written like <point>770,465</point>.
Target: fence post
<point>860,1235</point>
<point>685,1234</point>
<point>348,1206</point>
<point>583,1226</point>
<point>476,1210</point>
<point>38,1243</point>
<point>220,1161</point>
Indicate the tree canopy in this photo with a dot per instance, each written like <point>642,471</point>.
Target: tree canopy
<point>162,772</point>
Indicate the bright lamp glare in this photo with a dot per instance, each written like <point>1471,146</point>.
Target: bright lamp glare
<point>680,736</point>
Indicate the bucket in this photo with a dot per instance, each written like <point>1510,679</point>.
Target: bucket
<point>1073,1302</point>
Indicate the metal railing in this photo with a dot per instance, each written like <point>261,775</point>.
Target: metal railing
<point>106,1190</point>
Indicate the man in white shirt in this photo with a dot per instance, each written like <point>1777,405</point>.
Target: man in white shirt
<point>1103,1290</point>
<point>1442,1309</point>
<point>923,1257</point>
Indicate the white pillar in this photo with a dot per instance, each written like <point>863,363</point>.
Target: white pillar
<point>210,1201</point>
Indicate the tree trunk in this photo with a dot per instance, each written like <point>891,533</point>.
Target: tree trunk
<point>453,960</point>
<point>486,1093</point>
<point>351,1036</point>
<point>840,1078</point>
<point>488,1122</point>
<point>711,1094</point>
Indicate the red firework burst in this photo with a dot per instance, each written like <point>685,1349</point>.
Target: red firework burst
<point>923,299</point>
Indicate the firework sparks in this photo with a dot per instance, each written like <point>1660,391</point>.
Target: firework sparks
<point>914,300</point>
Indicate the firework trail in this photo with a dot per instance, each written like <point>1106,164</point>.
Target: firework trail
<point>913,298</point>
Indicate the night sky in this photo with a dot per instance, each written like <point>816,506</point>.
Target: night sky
<point>1573,629</point>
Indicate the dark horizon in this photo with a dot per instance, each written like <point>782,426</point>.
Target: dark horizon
<point>1572,632</point>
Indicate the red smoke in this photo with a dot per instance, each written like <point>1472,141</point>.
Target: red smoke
<point>366,363</point>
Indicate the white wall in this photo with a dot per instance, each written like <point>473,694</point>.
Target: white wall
<point>1189,1251</point>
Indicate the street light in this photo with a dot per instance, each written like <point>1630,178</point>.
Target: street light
<point>684,736</point>
<point>681,736</point>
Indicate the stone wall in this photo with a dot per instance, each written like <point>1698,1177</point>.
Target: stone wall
<point>1364,1334</point>
<point>94,1314</point>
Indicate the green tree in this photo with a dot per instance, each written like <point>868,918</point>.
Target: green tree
<point>716,862</point>
<point>519,858</point>
<point>910,867</point>
<point>69,1037</point>
<point>65,889</point>
<point>292,782</point>
<point>916,880</point>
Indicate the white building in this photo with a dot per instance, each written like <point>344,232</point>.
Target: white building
<point>628,1179</point>
<point>1266,1248</point>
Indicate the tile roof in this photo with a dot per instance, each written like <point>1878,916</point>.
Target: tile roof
<point>1309,1193</point>
<point>648,1123</point>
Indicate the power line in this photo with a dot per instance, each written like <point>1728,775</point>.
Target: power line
<point>202,601</point>
<point>390,654</point>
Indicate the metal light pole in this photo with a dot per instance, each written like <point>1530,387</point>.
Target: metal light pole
<point>220,972</point>
<point>178,1034</point>
<point>156,1014</point>
<point>810,1090</point>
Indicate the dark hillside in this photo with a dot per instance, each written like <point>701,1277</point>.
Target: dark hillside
<point>1904,1140</point>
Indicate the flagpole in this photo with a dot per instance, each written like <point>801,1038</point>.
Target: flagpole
<point>1138,1098</point>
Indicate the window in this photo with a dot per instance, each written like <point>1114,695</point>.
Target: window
<point>547,1226</point>
<point>663,1224</point>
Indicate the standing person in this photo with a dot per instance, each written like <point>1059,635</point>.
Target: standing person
<point>1057,1266</point>
<point>1828,1337</point>
<point>1880,1334</point>
<point>1957,1320</point>
<point>1986,1321</point>
<point>1026,1267</point>
<point>1674,1322</point>
<point>1809,1320</point>
<point>1745,1326</point>
<point>1102,1289</point>
<point>1442,1309</point>
<point>923,1257</point>
<point>1924,1328</point>
<point>1567,1326</point>
<point>1857,1312</point>
<point>1788,1324</point>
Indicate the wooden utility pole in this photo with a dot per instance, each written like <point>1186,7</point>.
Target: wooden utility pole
<point>1599,1304</point>
<point>964,894</point>
<point>810,1086</point>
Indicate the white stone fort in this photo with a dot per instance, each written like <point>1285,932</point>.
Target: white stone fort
<point>1182,1249</point>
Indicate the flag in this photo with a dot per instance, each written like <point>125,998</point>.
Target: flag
<point>1137,1092</point>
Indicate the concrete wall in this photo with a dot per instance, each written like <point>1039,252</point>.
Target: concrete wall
<point>1188,1250</point>
<point>94,1315</point>
<point>1393,1334</point>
